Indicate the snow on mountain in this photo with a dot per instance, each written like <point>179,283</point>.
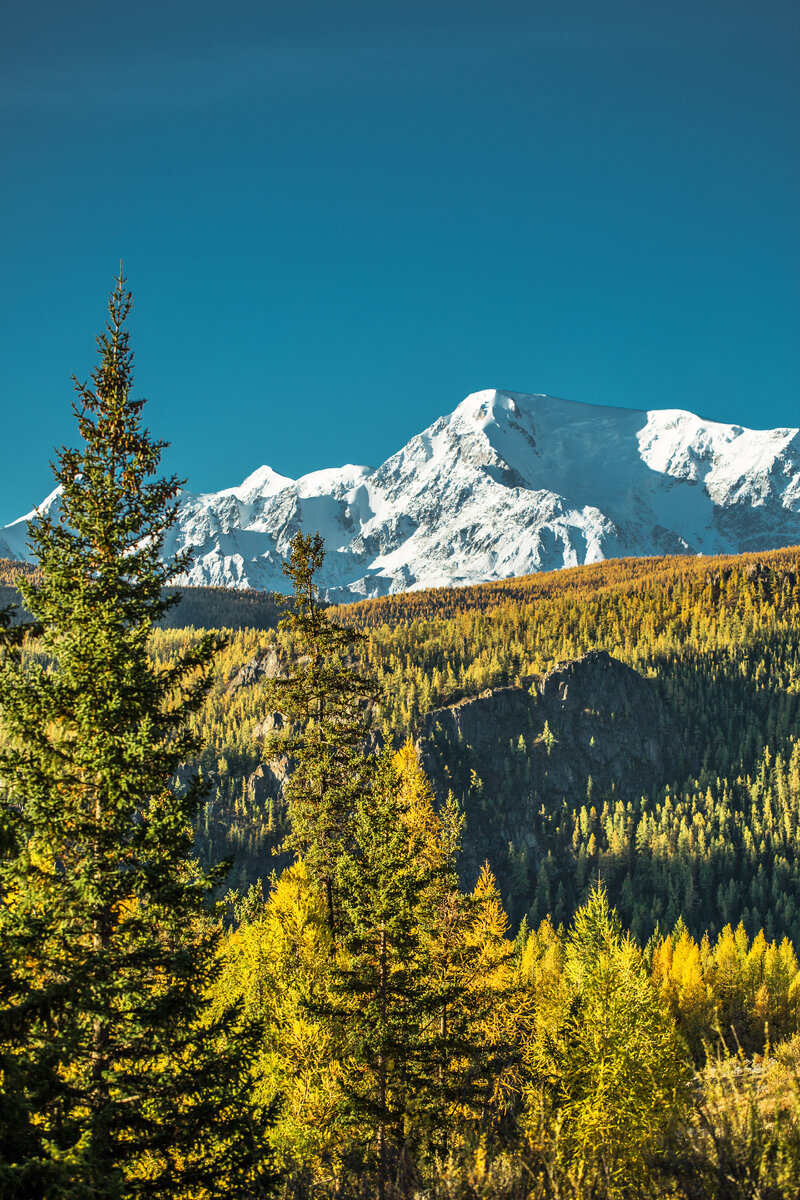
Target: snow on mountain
<point>14,537</point>
<point>506,485</point>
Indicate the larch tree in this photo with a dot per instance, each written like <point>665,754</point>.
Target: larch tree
<point>386,1003</point>
<point>611,1063</point>
<point>117,1081</point>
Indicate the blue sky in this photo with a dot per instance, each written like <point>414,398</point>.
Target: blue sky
<point>338,218</point>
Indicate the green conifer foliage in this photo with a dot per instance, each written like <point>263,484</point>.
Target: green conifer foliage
<point>116,1080</point>
<point>388,1004</point>
<point>328,703</point>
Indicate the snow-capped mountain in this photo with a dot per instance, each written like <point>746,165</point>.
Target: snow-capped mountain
<point>506,485</point>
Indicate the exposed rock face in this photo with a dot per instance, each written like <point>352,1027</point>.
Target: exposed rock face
<point>273,722</point>
<point>591,731</point>
<point>611,726</point>
<point>269,780</point>
<point>263,665</point>
<point>588,731</point>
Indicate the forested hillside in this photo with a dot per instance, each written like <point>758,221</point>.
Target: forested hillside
<point>717,639</point>
<point>201,607</point>
<point>690,668</point>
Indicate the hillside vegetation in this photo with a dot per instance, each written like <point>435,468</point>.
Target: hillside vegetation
<point>200,607</point>
<point>703,870</point>
<point>717,638</point>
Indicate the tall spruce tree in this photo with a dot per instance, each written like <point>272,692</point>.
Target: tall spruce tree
<point>329,706</point>
<point>117,1082</point>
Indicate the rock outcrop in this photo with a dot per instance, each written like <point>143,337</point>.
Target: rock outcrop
<point>262,666</point>
<point>590,731</point>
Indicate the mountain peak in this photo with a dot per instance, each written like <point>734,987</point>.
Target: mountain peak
<point>507,484</point>
<point>265,481</point>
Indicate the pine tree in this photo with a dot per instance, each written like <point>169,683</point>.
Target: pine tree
<point>117,1082</point>
<point>329,705</point>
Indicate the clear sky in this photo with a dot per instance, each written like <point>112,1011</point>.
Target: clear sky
<point>339,217</point>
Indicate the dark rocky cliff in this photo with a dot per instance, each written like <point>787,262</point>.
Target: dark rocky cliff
<point>590,731</point>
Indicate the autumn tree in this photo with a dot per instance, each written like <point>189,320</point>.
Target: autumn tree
<point>277,962</point>
<point>608,1058</point>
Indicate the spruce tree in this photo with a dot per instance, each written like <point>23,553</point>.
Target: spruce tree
<point>329,706</point>
<point>117,1082</point>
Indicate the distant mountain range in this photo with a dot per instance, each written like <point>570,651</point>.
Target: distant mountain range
<point>507,484</point>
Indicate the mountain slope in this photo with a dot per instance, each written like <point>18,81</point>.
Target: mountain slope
<point>506,485</point>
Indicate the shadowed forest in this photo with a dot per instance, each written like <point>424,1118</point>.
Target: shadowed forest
<point>716,638</point>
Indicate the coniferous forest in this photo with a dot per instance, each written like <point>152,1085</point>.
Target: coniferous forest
<point>267,928</point>
<point>714,843</point>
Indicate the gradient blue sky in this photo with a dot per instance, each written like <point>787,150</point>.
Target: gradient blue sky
<point>339,217</point>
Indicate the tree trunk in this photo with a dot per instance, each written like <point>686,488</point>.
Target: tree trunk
<point>382,1069</point>
<point>101,938</point>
